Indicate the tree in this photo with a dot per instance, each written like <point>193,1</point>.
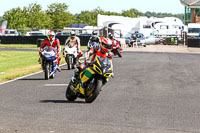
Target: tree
<point>133,13</point>
<point>90,17</point>
<point>37,19</point>
<point>162,15</point>
<point>16,18</point>
<point>87,17</point>
<point>59,15</point>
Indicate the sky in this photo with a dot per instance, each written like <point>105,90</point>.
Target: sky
<point>76,6</point>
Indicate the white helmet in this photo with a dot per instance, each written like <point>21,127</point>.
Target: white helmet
<point>72,34</point>
<point>51,35</point>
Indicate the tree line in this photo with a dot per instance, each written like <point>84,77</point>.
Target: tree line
<point>58,16</point>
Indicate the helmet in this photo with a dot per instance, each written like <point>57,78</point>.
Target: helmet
<point>51,35</point>
<point>72,34</point>
<point>105,47</point>
<point>110,36</point>
<point>94,33</point>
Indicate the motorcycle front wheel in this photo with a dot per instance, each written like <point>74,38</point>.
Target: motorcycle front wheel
<point>69,62</point>
<point>50,70</point>
<point>93,90</point>
<point>70,95</point>
<point>47,71</point>
<point>118,52</point>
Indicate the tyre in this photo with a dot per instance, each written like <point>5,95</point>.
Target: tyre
<point>93,90</point>
<point>47,71</point>
<point>118,52</point>
<point>70,95</point>
<point>68,60</point>
<point>50,70</point>
<point>73,62</point>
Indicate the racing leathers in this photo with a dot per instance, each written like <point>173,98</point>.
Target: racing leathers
<point>93,41</point>
<point>56,45</point>
<point>73,41</point>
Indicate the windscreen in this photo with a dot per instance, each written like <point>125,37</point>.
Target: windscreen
<point>193,30</point>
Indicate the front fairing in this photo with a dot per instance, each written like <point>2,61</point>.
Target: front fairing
<point>102,66</point>
<point>71,50</point>
<point>49,53</point>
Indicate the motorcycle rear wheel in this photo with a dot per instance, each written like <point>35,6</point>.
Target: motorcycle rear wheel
<point>92,93</point>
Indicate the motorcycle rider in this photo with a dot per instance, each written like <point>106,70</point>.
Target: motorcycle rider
<point>84,72</point>
<point>111,37</point>
<point>54,42</point>
<point>73,40</point>
<point>94,40</point>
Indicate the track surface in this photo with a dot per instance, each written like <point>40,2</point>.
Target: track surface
<point>151,93</point>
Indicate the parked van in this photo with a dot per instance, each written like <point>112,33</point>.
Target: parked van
<point>193,30</point>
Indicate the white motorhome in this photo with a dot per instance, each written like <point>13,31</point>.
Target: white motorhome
<point>167,25</point>
<point>168,29</point>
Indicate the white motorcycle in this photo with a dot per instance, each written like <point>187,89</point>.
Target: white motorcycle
<point>70,54</point>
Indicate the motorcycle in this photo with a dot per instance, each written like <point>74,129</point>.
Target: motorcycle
<point>100,69</point>
<point>48,62</point>
<point>116,49</point>
<point>70,54</point>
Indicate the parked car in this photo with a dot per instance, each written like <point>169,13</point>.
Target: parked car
<point>10,32</point>
<point>35,33</point>
<point>152,40</point>
<point>130,40</point>
<point>62,33</point>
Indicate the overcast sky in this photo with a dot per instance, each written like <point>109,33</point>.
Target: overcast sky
<point>76,6</point>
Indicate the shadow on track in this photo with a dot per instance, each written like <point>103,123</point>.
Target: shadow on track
<point>61,101</point>
<point>32,79</point>
<point>65,69</point>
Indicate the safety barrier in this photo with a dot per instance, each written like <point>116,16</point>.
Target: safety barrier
<point>37,39</point>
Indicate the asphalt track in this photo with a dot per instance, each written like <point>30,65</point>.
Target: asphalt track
<point>151,93</point>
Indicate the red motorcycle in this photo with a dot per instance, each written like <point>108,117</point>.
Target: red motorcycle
<point>116,48</point>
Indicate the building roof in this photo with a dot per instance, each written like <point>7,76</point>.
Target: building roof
<point>77,25</point>
<point>191,3</point>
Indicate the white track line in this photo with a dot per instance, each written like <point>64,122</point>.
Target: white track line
<point>24,76</point>
<point>49,85</point>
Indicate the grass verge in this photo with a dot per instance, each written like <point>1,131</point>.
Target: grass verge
<point>18,46</point>
<point>17,63</point>
<point>29,46</point>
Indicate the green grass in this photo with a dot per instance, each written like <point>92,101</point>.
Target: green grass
<point>28,46</point>
<point>15,64</point>
<point>24,46</point>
